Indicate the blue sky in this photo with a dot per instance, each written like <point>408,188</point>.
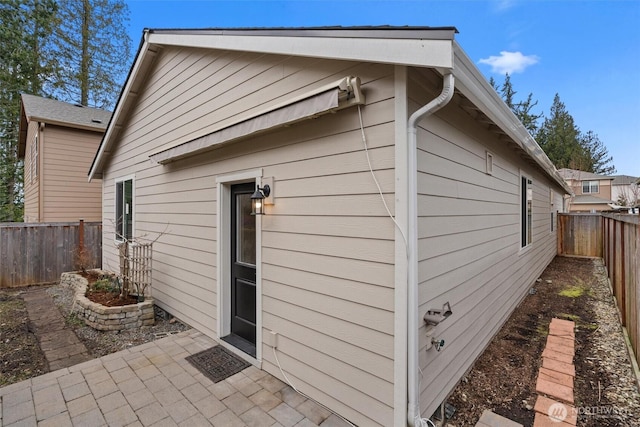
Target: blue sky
<point>587,51</point>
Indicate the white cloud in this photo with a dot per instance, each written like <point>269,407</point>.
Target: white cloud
<point>502,5</point>
<point>510,62</point>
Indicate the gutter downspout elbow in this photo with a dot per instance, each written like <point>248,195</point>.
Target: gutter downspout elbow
<point>413,412</point>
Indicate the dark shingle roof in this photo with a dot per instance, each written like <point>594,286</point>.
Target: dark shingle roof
<point>624,179</point>
<point>589,199</point>
<point>580,175</point>
<point>58,112</point>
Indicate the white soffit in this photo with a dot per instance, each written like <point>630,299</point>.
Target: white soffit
<point>335,96</point>
<point>475,87</point>
<point>412,52</point>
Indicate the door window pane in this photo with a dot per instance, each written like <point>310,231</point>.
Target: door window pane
<point>246,230</point>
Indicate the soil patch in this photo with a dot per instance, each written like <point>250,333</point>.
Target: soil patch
<point>20,354</point>
<point>503,378</point>
<point>101,290</point>
<point>110,299</point>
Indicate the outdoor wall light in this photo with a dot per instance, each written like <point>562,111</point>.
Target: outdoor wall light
<point>257,199</point>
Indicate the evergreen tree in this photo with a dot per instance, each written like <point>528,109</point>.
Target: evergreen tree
<point>523,112</point>
<point>493,84</point>
<point>559,137</point>
<point>73,50</point>
<point>93,51</point>
<point>507,92</point>
<point>568,147</point>
<point>600,161</point>
<point>521,109</point>
<point>25,26</point>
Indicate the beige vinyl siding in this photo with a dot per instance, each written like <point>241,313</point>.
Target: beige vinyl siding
<point>31,183</point>
<point>469,239</point>
<point>589,207</point>
<point>327,244</point>
<point>604,188</point>
<point>67,154</point>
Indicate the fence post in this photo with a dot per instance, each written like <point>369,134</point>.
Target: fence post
<point>623,285</point>
<point>80,237</point>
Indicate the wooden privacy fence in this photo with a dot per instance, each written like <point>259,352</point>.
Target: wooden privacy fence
<point>32,253</point>
<point>580,234</point>
<point>621,244</point>
<point>616,239</point>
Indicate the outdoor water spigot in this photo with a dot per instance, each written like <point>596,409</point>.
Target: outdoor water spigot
<point>438,344</point>
<point>434,316</point>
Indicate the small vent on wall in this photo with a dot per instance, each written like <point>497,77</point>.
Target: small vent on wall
<point>489,165</point>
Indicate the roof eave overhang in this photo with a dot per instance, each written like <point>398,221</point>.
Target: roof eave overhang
<point>432,53</point>
<point>144,59</point>
<point>424,52</point>
<point>67,124</point>
<point>473,85</point>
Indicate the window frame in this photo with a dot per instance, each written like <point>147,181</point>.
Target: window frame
<point>590,185</point>
<point>526,211</point>
<point>34,158</point>
<point>120,234</point>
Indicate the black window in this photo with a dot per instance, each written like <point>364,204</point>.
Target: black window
<point>526,211</point>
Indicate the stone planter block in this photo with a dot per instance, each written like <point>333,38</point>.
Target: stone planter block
<point>105,318</point>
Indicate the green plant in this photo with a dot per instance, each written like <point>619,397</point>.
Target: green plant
<point>74,320</point>
<point>106,284</point>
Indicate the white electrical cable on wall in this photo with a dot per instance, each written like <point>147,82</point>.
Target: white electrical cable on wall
<point>384,202</point>
<point>275,355</point>
<point>420,422</point>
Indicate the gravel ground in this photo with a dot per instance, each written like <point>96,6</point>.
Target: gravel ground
<point>610,360</point>
<point>503,378</point>
<point>100,343</point>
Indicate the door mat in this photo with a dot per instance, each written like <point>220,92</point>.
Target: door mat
<point>217,363</point>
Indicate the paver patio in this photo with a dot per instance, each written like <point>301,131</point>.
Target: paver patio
<point>153,385</point>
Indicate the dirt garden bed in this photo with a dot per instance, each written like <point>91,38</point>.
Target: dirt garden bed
<point>120,311</point>
<point>503,379</point>
<point>20,354</point>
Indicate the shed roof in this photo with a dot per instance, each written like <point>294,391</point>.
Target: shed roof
<point>427,47</point>
<point>59,113</point>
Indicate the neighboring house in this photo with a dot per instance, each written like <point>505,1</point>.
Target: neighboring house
<point>625,187</point>
<point>57,142</point>
<point>326,280</point>
<point>593,192</point>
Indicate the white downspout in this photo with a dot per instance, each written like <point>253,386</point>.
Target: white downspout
<point>445,96</point>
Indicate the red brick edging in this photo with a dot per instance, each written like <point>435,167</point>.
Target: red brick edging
<point>554,406</point>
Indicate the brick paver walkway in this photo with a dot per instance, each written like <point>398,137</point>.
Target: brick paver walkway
<point>153,385</point>
<point>60,345</point>
<point>554,406</point>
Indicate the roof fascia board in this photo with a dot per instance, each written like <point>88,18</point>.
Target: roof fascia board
<point>66,124</point>
<point>143,60</point>
<point>413,52</point>
<point>475,87</point>
<point>366,32</point>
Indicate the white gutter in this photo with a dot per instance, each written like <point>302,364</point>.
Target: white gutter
<point>413,412</point>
